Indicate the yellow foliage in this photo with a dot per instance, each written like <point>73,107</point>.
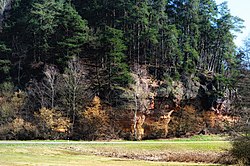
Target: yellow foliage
<point>63,125</point>
<point>20,124</point>
<point>140,119</point>
<point>96,102</point>
<point>45,116</point>
<point>53,120</point>
<point>97,118</point>
<point>95,114</point>
<point>189,109</point>
<point>139,128</point>
<point>9,106</point>
<point>18,99</point>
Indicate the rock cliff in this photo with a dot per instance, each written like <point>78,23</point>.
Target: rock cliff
<point>190,105</point>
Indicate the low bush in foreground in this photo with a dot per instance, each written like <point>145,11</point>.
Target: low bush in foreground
<point>241,150</point>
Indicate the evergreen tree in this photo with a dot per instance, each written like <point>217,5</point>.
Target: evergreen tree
<point>115,48</point>
<point>207,18</point>
<point>169,38</point>
<point>224,51</point>
<point>5,66</point>
<point>138,24</point>
<point>43,24</point>
<point>72,32</point>
<point>185,14</point>
<point>14,28</point>
<point>163,39</point>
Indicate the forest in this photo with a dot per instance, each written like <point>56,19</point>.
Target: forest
<point>110,69</point>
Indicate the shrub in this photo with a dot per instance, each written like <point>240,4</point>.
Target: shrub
<point>22,129</point>
<point>6,88</point>
<point>18,129</point>
<point>52,124</point>
<point>241,149</point>
<point>10,106</point>
<point>187,121</point>
<point>5,132</point>
<point>7,112</point>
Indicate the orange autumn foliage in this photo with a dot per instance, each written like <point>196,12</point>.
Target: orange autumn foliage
<point>96,119</point>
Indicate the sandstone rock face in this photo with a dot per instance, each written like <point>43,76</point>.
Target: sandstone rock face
<point>187,106</point>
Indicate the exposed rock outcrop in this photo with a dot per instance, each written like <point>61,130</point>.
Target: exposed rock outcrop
<point>175,108</point>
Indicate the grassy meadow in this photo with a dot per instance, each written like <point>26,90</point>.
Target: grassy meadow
<point>193,151</point>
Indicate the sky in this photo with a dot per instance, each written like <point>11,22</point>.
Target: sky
<point>240,8</point>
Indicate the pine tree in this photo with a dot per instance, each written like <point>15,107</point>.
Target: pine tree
<point>138,23</point>
<point>184,15</point>
<point>223,56</point>
<point>115,48</point>
<point>14,28</point>
<point>43,24</point>
<point>72,32</point>
<point>207,18</point>
<point>5,66</point>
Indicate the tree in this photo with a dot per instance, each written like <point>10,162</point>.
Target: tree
<point>14,27</point>
<point>162,41</point>
<point>3,5</point>
<point>5,64</point>
<point>207,14</point>
<point>52,124</point>
<point>73,86</point>
<point>96,120</point>
<point>72,33</point>
<point>50,37</point>
<point>246,52</point>
<point>116,65</point>
<point>43,24</point>
<point>46,91</point>
<point>186,19</point>
<point>136,32</point>
<point>241,142</point>
<point>51,75</point>
<point>93,46</point>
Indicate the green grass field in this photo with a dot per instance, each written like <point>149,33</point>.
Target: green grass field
<point>124,153</point>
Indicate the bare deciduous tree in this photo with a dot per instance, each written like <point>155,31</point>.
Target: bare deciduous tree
<point>46,90</point>
<point>50,83</point>
<point>74,85</point>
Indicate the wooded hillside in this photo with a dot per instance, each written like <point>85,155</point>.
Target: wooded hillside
<point>99,69</point>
